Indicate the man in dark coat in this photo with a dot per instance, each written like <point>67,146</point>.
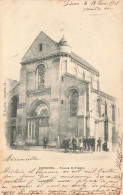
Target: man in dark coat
<point>45,140</point>
<point>93,143</point>
<point>74,142</point>
<point>66,144</point>
<point>89,143</point>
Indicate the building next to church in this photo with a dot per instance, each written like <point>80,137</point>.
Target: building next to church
<point>59,95</point>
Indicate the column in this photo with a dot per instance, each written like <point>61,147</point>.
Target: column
<point>31,130</point>
<point>34,130</point>
<point>28,129</point>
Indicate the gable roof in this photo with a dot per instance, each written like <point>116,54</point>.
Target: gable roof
<point>49,37</point>
<point>33,53</point>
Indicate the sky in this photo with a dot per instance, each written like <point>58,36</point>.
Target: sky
<point>95,37</point>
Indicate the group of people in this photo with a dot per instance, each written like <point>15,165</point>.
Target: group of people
<point>81,144</point>
<point>74,144</point>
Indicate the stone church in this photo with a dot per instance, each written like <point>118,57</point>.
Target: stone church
<point>58,95</point>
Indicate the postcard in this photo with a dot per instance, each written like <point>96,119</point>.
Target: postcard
<point>61,97</point>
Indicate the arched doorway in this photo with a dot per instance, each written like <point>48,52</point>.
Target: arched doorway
<point>38,123</point>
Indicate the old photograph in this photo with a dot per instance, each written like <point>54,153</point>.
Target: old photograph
<point>58,101</point>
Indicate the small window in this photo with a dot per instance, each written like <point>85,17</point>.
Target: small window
<point>62,101</point>
<point>62,78</point>
<point>40,47</point>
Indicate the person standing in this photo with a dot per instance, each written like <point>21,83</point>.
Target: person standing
<point>90,143</point>
<point>66,145</point>
<point>77,143</point>
<point>74,143</point>
<point>68,140</point>
<point>87,144</point>
<point>58,143</point>
<point>81,144</point>
<point>99,144</point>
<point>71,144</point>
<point>84,143</point>
<point>45,142</point>
<point>93,144</point>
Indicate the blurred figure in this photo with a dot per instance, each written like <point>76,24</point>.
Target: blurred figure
<point>71,144</point>
<point>93,144</point>
<point>77,143</point>
<point>58,143</point>
<point>64,142</point>
<point>45,141</point>
<point>74,142</point>
<point>90,143</point>
<point>66,145</point>
<point>99,144</point>
<point>87,143</point>
<point>81,144</point>
<point>84,143</point>
<point>68,140</point>
<point>105,146</point>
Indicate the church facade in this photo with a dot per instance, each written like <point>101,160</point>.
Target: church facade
<point>59,95</point>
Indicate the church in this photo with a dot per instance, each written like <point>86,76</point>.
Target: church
<point>59,95</point>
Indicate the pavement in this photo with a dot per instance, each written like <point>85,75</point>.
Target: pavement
<point>57,157</point>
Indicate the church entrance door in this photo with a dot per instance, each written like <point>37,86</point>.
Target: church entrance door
<point>39,118</point>
<point>43,129</point>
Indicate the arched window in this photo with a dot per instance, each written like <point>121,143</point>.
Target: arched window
<point>14,105</point>
<point>113,113</point>
<point>74,102</point>
<point>40,76</point>
<point>99,107</point>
